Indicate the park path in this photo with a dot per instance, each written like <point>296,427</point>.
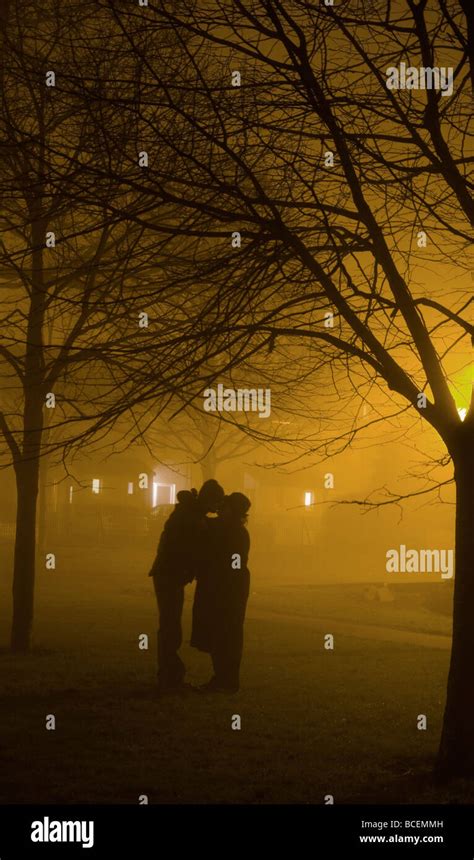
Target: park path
<point>360,631</point>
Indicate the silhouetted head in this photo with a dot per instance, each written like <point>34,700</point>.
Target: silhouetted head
<point>211,496</point>
<point>235,507</point>
<point>186,498</point>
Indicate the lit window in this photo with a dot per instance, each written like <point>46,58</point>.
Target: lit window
<point>96,485</point>
<point>163,494</point>
<point>308,499</point>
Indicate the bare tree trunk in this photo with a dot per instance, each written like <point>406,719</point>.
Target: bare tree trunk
<point>27,462</point>
<point>27,478</point>
<point>456,751</point>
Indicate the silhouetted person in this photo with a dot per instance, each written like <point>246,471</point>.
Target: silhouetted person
<point>175,565</point>
<point>223,582</point>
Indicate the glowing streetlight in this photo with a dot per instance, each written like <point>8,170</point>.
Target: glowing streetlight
<point>462,412</point>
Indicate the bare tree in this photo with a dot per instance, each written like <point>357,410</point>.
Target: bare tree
<point>80,304</point>
<point>199,438</point>
<point>320,159</point>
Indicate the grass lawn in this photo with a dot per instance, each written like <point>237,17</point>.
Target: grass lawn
<point>314,722</point>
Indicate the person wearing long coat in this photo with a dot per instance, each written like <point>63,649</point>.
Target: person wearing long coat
<point>222,590</point>
<point>175,566</point>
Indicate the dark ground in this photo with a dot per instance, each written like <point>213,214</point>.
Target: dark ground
<point>314,722</point>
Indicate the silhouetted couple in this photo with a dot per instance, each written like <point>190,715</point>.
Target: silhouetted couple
<point>213,550</point>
